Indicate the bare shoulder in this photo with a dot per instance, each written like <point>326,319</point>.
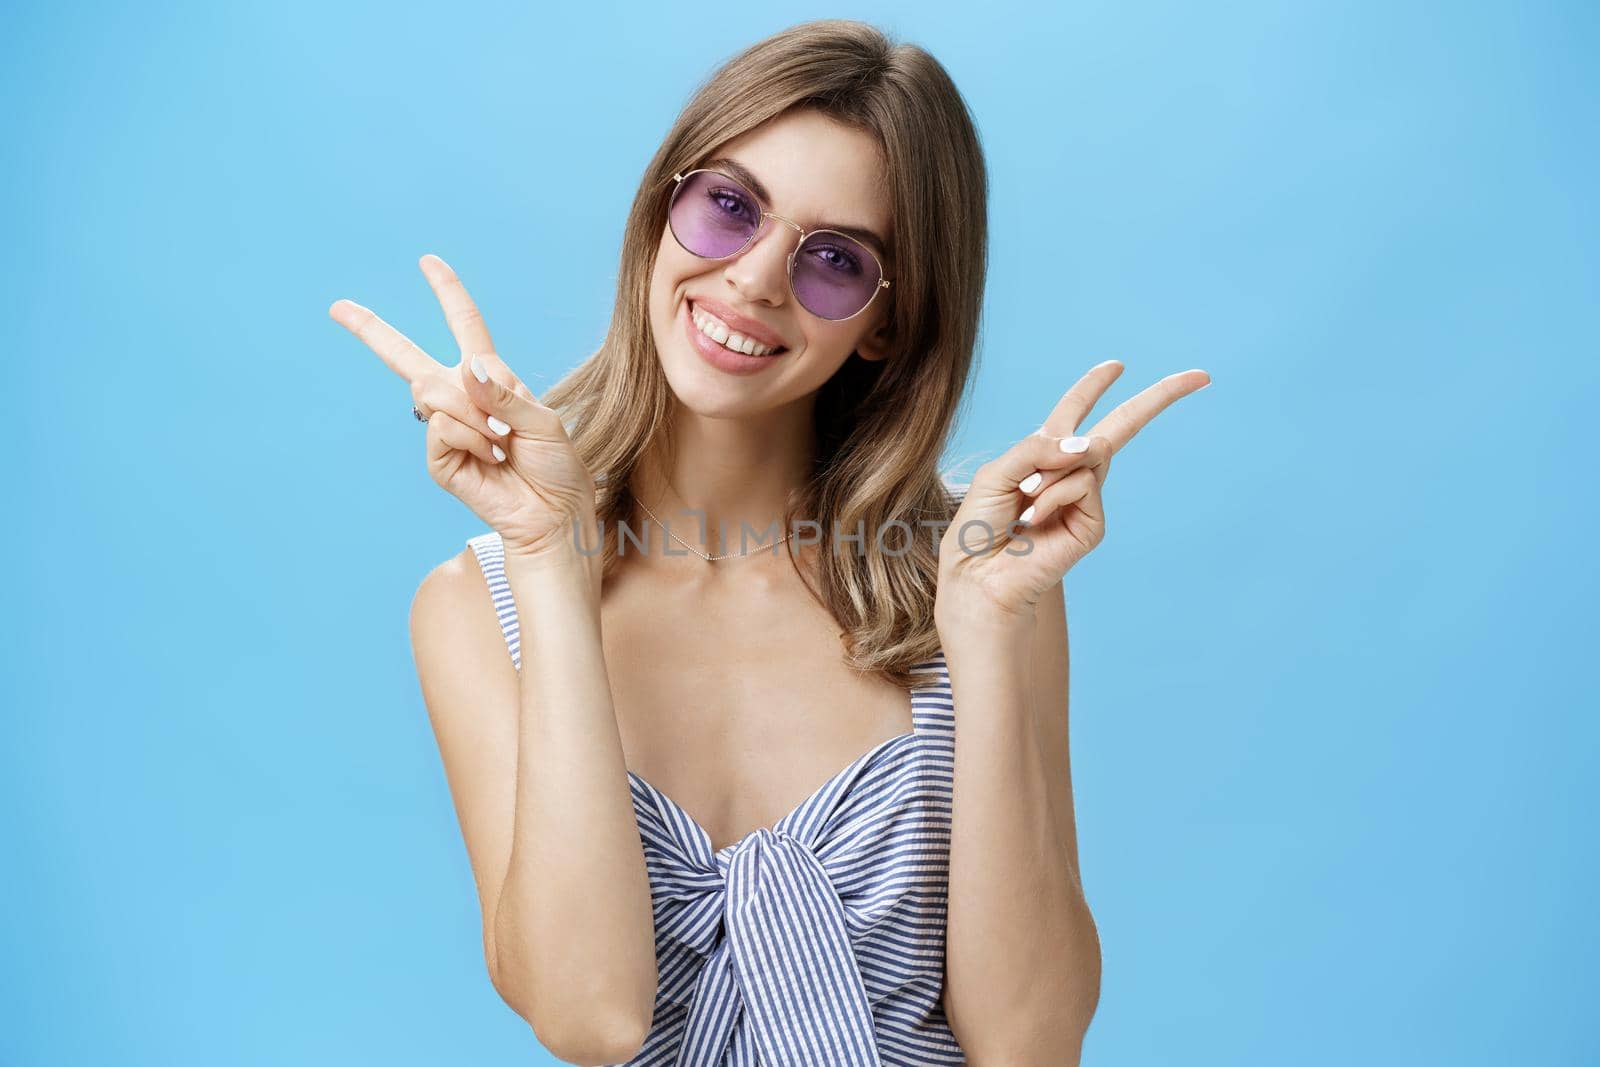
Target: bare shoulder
<point>453,617</point>
<point>446,587</point>
<point>465,669</point>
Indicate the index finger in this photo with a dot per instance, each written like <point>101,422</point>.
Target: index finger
<point>465,320</point>
<point>393,347</point>
<point>1133,414</point>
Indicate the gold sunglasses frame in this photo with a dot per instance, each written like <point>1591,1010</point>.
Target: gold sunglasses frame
<point>679,179</point>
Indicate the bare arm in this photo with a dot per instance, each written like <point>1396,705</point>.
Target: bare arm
<point>535,766</point>
<point>1023,954</point>
<point>1023,973</point>
<point>534,761</point>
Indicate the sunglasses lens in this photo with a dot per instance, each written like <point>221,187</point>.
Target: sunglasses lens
<point>834,276</point>
<point>712,215</point>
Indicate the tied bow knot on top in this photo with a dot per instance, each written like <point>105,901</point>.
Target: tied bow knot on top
<point>778,965</point>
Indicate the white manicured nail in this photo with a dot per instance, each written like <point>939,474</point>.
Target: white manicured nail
<point>1031,482</point>
<point>499,427</point>
<point>1074,444</point>
<point>477,370</point>
<point>1027,514</point>
<point>499,453</point>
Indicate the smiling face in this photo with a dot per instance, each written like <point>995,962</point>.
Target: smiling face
<point>819,174</point>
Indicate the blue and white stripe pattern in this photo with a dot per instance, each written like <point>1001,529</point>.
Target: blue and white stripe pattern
<point>819,940</point>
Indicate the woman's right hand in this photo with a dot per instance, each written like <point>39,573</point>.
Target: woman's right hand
<point>532,497</point>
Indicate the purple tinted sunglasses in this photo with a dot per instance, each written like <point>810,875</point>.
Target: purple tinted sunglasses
<point>832,275</point>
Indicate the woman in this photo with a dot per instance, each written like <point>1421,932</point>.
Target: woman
<point>672,866</point>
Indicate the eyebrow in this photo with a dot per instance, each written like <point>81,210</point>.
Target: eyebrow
<point>747,176</point>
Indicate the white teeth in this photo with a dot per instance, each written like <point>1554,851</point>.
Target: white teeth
<point>720,333</point>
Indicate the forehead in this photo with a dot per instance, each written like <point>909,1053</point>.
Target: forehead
<point>818,171</point>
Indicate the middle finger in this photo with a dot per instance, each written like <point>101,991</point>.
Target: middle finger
<point>1078,401</point>
<point>465,320</point>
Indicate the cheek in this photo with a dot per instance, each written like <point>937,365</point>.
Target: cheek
<point>842,337</point>
<point>674,268</point>
<point>828,346</point>
<point>662,270</point>
<point>666,279</point>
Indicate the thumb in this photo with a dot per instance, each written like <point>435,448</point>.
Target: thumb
<point>491,385</point>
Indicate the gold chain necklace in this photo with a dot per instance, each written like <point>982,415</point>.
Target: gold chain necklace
<point>696,551</point>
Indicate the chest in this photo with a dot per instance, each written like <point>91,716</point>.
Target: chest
<point>736,702</point>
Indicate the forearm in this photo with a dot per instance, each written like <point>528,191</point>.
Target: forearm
<point>574,931</point>
<point>1022,953</point>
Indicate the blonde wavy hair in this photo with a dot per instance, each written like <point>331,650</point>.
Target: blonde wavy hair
<point>881,426</point>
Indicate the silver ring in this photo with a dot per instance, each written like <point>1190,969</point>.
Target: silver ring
<point>419,416</point>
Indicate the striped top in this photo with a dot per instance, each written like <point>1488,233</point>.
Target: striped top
<point>819,940</point>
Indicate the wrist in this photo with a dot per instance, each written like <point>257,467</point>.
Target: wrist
<point>558,569</point>
<point>979,621</point>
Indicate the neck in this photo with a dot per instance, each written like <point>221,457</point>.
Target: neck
<point>731,471</point>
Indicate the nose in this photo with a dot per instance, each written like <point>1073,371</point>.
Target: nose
<point>761,271</point>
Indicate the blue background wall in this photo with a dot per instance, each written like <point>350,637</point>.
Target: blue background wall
<point>1333,704</point>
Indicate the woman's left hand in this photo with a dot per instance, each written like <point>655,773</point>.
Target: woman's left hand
<point>1036,508</point>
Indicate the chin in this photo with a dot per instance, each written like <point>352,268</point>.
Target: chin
<point>704,391</point>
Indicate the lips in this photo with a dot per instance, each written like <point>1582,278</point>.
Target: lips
<point>719,356</point>
<point>740,324</point>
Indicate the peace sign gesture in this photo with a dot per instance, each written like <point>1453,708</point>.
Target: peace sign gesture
<point>490,442</point>
<point>1035,510</point>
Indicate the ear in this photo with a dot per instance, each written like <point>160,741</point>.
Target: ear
<point>875,345</point>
